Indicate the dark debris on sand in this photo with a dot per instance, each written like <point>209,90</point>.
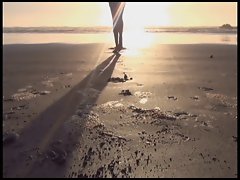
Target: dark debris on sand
<point>172,97</point>
<point>125,93</point>
<point>110,154</point>
<point>118,79</point>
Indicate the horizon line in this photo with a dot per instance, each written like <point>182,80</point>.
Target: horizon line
<point>150,26</point>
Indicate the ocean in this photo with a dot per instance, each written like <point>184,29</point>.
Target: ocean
<point>163,35</point>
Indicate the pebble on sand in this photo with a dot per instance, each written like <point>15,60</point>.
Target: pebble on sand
<point>172,97</point>
<point>44,92</point>
<point>195,98</point>
<point>125,77</point>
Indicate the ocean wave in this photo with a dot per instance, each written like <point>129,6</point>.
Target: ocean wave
<point>56,29</point>
<point>192,30</point>
<point>82,30</point>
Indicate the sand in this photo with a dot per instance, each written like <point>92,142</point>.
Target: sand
<point>66,114</point>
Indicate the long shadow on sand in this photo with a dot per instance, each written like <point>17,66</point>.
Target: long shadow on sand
<point>48,126</point>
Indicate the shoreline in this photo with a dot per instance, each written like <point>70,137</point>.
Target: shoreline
<point>129,38</point>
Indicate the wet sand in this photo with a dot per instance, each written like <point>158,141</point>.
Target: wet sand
<point>70,111</point>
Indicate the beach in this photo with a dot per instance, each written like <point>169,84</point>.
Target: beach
<point>156,109</point>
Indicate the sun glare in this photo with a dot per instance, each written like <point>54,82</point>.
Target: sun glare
<point>138,15</point>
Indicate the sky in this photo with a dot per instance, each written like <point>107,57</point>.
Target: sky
<point>136,14</point>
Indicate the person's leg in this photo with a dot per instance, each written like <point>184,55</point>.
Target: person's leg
<point>121,27</point>
<point>120,45</point>
<point>115,32</point>
<point>118,26</point>
<point>120,30</point>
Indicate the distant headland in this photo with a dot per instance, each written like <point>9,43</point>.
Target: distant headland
<point>226,26</point>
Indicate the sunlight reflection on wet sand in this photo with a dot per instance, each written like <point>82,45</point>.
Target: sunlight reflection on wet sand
<point>132,39</point>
